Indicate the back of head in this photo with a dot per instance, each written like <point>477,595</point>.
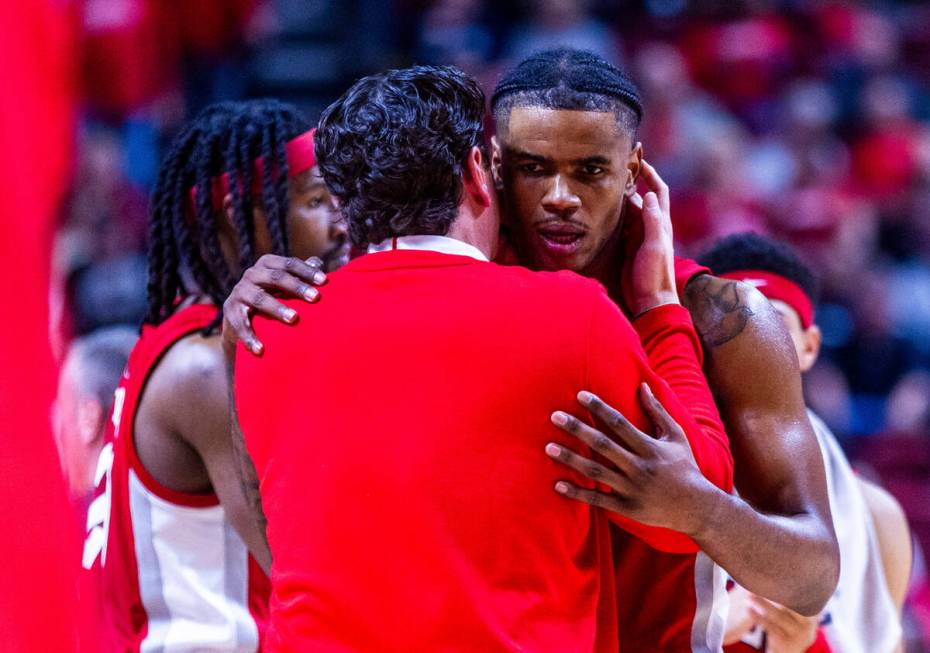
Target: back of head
<point>97,360</point>
<point>227,137</point>
<point>567,78</point>
<point>750,251</point>
<point>393,150</point>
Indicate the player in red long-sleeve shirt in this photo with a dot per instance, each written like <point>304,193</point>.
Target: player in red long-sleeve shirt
<point>429,533</point>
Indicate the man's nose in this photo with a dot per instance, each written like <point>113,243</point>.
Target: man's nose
<point>560,198</point>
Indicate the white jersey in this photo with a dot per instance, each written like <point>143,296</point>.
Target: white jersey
<point>861,616</point>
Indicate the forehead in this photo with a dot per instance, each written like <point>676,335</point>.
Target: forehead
<point>566,133</point>
<point>307,180</point>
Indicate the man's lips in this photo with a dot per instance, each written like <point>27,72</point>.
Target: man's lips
<point>560,238</point>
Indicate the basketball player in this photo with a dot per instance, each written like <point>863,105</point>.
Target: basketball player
<point>169,531</point>
<point>399,465</point>
<point>864,613</point>
<point>566,160</point>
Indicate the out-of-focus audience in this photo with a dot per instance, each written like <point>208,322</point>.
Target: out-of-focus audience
<point>809,121</point>
<point>89,375</point>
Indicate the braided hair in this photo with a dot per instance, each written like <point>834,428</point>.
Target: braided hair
<point>224,138</point>
<point>567,78</point>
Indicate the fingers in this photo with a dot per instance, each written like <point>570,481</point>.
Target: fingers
<point>236,326</point>
<point>636,440</point>
<point>586,467</point>
<point>664,425</point>
<point>594,439</point>
<point>291,278</point>
<point>613,502</point>
<point>654,182</point>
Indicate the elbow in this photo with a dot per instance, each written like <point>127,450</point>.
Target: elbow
<point>818,586</point>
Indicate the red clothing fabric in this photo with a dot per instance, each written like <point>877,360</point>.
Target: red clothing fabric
<point>820,645</point>
<point>170,570</point>
<point>648,621</point>
<point>415,511</point>
<point>38,584</point>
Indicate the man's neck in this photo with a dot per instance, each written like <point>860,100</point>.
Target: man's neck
<point>607,268</point>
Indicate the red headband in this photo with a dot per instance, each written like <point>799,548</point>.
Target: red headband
<point>300,158</point>
<point>775,286</point>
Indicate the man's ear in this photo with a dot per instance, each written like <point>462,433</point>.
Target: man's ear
<point>477,178</point>
<point>811,338</point>
<point>634,165</point>
<point>496,163</point>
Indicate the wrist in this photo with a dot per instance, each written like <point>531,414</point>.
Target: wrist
<point>709,506</point>
<point>653,300</point>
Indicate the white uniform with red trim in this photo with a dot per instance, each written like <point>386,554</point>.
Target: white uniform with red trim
<point>171,573</point>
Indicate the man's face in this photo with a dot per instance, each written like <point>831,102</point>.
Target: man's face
<point>565,175</point>
<point>806,341</point>
<point>314,225</point>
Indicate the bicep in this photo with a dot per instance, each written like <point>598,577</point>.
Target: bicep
<point>753,371</point>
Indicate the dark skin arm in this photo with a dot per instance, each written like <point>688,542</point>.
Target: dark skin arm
<point>183,435</point>
<point>752,367</point>
<point>777,540</point>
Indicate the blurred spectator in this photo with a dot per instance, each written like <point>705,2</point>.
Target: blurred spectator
<point>89,376</point>
<point>552,23</point>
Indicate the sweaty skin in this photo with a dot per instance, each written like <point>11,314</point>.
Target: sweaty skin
<point>752,368</point>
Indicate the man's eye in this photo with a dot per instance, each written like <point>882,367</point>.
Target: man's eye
<point>315,202</point>
<point>531,168</point>
<point>593,171</point>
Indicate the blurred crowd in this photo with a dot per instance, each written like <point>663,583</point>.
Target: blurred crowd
<point>807,120</point>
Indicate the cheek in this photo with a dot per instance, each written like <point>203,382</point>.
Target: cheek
<point>605,208</point>
<point>524,197</point>
<point>308,232</point>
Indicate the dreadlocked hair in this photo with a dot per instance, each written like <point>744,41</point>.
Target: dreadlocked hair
<point>224,138</point>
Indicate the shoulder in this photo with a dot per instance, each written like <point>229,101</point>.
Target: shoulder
<point>562,284</point>
<point>192,373</point>
<point>723,309</point>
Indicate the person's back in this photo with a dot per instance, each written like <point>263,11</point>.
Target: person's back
<point>401,477</point>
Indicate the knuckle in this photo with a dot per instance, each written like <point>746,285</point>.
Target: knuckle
<point>593,470</point>
<point>290,263</point>
<point>259,297</point>
<point>601,443</point>
<point>265,260</point>
<point>276,274</point>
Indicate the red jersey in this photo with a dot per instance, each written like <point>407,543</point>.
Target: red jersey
<point>410,507</point>
<point>172,573</point>
<point>648,620</point>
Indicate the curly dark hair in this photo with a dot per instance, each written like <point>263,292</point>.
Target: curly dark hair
<point>224,137</point>
<point>393,150</point>
<point>568,78</point>
<point>750,251</point>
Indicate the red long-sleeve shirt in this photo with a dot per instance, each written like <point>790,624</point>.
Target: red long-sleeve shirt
<point>398,432</point>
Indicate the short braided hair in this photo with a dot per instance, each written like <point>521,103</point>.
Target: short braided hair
<point>567,78</point>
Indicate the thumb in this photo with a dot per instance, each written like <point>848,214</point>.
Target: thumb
<point>652,218</point>
<point>665,426</point>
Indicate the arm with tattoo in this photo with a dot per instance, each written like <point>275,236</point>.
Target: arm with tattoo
<point>245,469</point>
<point>782,545</point>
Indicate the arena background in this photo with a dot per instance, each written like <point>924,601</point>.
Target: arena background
<point>809,121</point>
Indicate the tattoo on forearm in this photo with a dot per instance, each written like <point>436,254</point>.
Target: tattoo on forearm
<point>718,309</point>
<point>248,478</point>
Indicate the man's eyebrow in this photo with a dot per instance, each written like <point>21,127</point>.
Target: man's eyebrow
<point>597,160</point>
<point>522,154</point>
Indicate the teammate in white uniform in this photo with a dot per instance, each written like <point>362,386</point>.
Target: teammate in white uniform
<point>863,615</point>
